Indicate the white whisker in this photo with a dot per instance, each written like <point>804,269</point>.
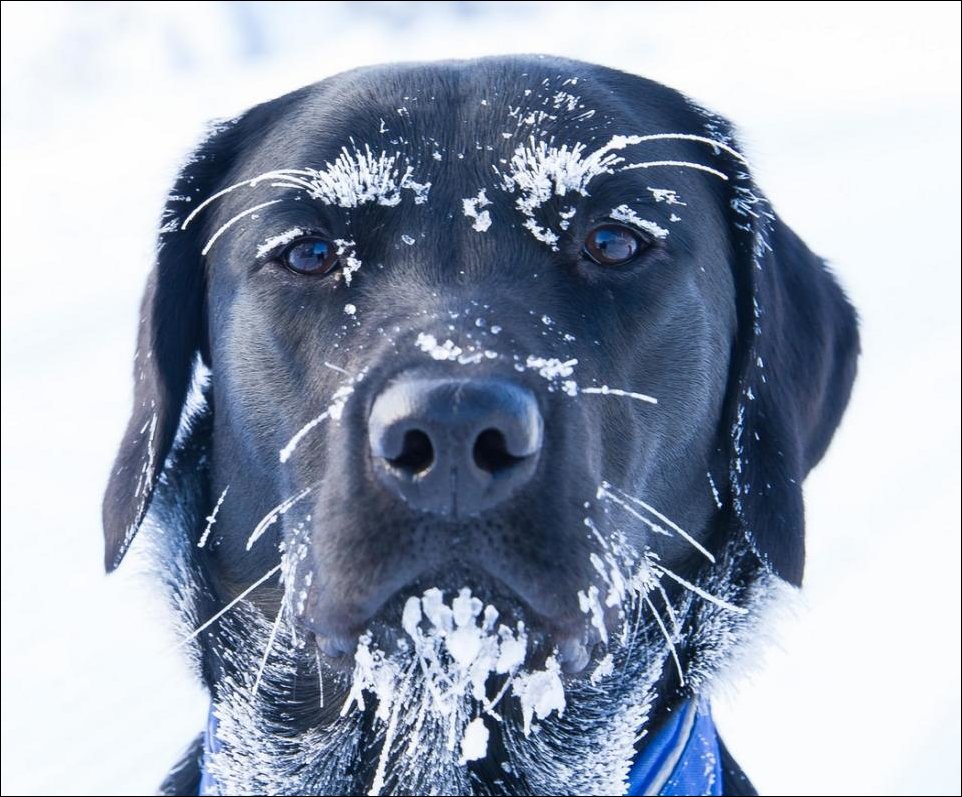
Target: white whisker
<point>721,602</point>
<point>267,649</point>
<point>287,450</point>
<point>211,519</point>
<point>689,137</point>
<point>604,390</point>
<point>634,513</point>
<point>271,517</point>
<point>684,164</point>
<point>668,607</point>
<point>320,675</point>
<point>338,369</point>
<point>229,606</point>
<point>225,227</point>
<point>284,174</point>
<point>668,639</point>
<point>671,524</point>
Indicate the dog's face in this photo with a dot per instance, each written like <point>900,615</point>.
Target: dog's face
<point>516,326</point>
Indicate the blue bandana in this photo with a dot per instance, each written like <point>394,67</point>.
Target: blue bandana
<point>681,758</point>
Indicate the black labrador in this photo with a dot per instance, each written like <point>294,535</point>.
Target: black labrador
<point>473,402</point>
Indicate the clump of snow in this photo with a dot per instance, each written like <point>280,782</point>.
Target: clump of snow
<point>605,668</point>
<point>438,351</point>
<point>540,693</point>
<point>349,260</point>
<point>666,195</point>
<point>628,216</point>
<point>551,368</point>
<point>275,241</point>
<point>350,309</point>
<point>539,170</point>
<point>472,209</point>
<point>408,240</point>
<point>457,648</point>
<point>474,743</point>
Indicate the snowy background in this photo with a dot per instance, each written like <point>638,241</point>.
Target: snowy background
<point>851,116</point>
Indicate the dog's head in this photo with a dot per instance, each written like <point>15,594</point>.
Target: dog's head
<point>524,326</point>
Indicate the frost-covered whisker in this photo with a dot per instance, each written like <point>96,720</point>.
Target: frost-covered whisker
<point>287,450</point>
<point>227,225</point>
<point>720,602</point>
<point>608,487</point>
<point>268,647</point>
<point>338,369</point>
<point>271,517</point>
<point>334,410</point>
<point>214,618</point>
<point>668,640</point>
<point>603,493</point>
<point>211,519</point>
<point>604,390</point>
<point>682,164</point>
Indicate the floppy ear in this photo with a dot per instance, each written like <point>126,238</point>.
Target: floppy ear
<point>171,334</point>
<point>793,367</point>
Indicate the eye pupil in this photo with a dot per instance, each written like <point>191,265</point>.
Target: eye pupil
<point>612,245</point>
<point>312,256</point>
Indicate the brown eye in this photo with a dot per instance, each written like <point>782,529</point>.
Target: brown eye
<point>311,256</point>
<point>613,245</point>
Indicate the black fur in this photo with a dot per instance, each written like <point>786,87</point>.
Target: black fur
<point>740,331</point>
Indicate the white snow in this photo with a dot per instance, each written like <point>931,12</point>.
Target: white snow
<point>474,743</point>
<point>279,240</point>
<point>438,351</point>
<point>628,216</point>
<point>551,367</point>
<point>473,210</point>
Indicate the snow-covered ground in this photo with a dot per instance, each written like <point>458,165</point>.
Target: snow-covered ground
<point>851,116</point>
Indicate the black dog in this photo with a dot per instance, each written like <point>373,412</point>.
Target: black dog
<point>473,403</point>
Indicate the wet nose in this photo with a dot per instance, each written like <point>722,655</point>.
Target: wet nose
<point>455,447</point>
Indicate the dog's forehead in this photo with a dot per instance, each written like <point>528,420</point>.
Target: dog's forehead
<point>476,115</point>
<point>524,147</point>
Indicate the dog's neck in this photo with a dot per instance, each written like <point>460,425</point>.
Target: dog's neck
<point>281,727</point>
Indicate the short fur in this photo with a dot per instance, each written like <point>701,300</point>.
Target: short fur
<point>738,330</point>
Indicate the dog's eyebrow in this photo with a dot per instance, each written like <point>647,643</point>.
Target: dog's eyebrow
<point>539,170</point>
<point>356,177</point>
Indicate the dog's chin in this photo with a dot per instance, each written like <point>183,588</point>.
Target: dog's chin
<point>456,600</point>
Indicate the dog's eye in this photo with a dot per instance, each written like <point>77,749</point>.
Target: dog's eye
<point>312,256</point>
<point>613,245</point>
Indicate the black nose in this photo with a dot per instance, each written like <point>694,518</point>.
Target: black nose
<point>455,446</point>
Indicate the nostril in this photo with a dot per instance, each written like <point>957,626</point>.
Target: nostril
<point>491,452</point>
<point>417,453</point>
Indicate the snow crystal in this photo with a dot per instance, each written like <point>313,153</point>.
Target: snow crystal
<point>540,693</point>
<point>605,668</point>
<point>472,205</point>
<point>666,195</point>
<point>272,243</point>
<point>474,743</point>
<point>628,216</point>
<point>551,368</point>
<point>438,351</point>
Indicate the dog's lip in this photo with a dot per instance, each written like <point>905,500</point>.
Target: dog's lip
<point>572,639</point>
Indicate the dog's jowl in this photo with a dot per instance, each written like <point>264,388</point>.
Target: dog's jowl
<point>473,402</point>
